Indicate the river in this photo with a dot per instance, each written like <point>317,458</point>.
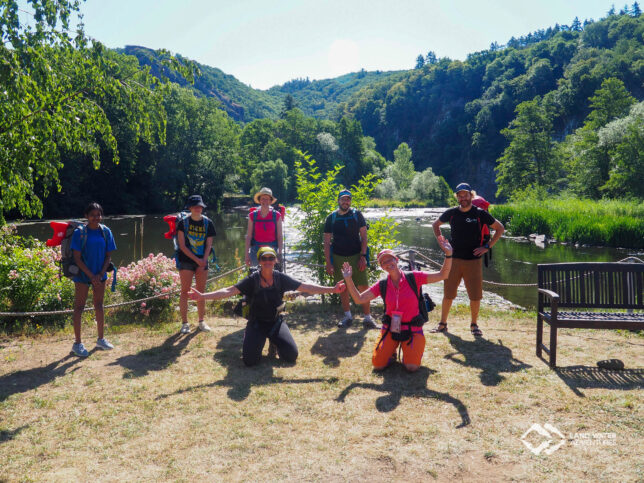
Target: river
<point>514,261</point>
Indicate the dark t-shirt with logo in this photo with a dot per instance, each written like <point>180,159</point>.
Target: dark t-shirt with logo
<point>466,230</point>
<point>346,232</point>
<point>196,237</point>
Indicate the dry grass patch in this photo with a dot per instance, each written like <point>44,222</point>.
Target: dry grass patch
<point>168,407</point>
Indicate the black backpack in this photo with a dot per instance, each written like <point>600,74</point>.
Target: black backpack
<point>425,303</point>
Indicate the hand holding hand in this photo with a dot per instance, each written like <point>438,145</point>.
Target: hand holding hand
<point>347,270</point>
<point>202,262</point>
<point>96,280</point>
<point>339,287</point>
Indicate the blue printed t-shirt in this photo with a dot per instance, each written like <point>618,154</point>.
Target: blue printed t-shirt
<point>93,254</point>
<point>195,237</point>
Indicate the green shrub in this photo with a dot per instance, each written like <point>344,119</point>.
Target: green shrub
<point>30,282</point>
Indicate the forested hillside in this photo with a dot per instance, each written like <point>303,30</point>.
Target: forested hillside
<point>452,113</point>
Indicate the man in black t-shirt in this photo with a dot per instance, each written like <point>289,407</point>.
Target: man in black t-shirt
<point>345,240</point>
<point>466,222</point>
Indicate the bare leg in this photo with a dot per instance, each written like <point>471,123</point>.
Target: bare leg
<point>475,305</point>
<point>80,297</point>
<point>201,276</point>
<point>98,295</point>
<point>447,304</point>
<point>344,300</point>
<point>186,282</point>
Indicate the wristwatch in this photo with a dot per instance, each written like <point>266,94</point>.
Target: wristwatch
<point>487,245</point>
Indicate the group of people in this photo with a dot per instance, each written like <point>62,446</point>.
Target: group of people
<point>347,258</point>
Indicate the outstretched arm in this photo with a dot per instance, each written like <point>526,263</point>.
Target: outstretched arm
<point>447,263</point>
<point>222,293</point>
<point>315,289</point>
<point>359,298</point>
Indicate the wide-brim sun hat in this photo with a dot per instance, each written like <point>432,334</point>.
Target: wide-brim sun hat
<point>387,252</point>
<point>266,250</point>
<point>262,192</point>
<point>195,200</point>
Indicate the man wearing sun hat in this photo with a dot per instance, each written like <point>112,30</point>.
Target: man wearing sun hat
<point>345,240</point>
<point>466,222</point>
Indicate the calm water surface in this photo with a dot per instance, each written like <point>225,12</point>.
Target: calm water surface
<point>513,261</point>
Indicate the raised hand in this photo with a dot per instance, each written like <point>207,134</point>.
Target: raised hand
<point>347,271</point>
<point>445,245</point>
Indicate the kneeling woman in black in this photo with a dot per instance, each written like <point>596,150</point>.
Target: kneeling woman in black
<point>265,290</point>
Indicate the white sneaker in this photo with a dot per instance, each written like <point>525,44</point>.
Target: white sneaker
<point>103,344</point>
<point>345,322</point>
<point>369,323</point>
<point>203,326</point>
<point>185,328</point>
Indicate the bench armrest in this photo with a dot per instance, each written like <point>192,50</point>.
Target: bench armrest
<point>554,306</point>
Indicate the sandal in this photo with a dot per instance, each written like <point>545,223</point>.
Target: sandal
<point>476,332</point>
<point>441,327</point>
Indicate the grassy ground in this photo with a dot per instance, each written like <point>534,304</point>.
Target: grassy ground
<point>168,407</point>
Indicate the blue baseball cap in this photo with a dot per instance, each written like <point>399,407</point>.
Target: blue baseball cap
<point>344,193</point>
<point>463,187</point>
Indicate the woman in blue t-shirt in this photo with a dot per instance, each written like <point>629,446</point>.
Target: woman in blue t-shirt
<point>92,246</point>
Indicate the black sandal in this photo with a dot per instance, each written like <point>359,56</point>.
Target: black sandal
<point>440,328</point>
<point>476,332</point>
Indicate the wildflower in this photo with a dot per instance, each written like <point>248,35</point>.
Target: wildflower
<point>132,287</point>
<point>143,305</point>
<point>13,274</point>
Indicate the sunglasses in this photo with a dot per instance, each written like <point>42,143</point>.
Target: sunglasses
<point>267,258</point>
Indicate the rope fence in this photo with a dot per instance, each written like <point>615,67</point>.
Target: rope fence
<point>411,252</point>
<point>120,304</point>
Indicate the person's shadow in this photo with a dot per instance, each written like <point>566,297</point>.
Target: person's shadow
<point>339,344</point>
<point>23,381</point>
<point>398,383</point>
<point>8,435</point>
<point>155,358</point>
<point>240,379</point>
<point>492,359</point>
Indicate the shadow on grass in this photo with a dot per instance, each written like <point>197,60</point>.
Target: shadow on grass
<point>492,359</point>
<point>23,381</point>
<point>339,344</point>
<point>588,377</point>
<point>155,358</point>
<point>398,383</point>
<point>8,435</point>
<point>241,379</point>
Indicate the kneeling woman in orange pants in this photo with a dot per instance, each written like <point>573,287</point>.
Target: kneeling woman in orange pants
<point>400,323</point>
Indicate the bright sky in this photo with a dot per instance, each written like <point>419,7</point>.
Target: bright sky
<point>268,42</point>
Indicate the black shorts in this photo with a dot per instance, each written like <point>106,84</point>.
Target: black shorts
<point>189,265</point>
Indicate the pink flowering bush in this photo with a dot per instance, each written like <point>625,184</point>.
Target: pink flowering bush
<point>30,282</point>
<point>153,275</point>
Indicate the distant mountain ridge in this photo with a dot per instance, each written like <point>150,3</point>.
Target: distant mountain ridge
<point>318,98</point>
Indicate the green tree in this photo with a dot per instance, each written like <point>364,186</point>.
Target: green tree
<point>403,168</point>
<point>420,62</point>
<point>52,87</point>
<point>273,174</point>
<point>317,194</point>
<point>528,159</point>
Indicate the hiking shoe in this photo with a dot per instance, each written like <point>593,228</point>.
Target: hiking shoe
<point>204,327</point>
<point>185,328</point>
<point>103,344</point>
<point>369,323</point>
<point>346,322</point>
<point>78,349</point>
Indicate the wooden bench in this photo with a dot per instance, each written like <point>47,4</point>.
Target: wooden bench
<point>603,287</point>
